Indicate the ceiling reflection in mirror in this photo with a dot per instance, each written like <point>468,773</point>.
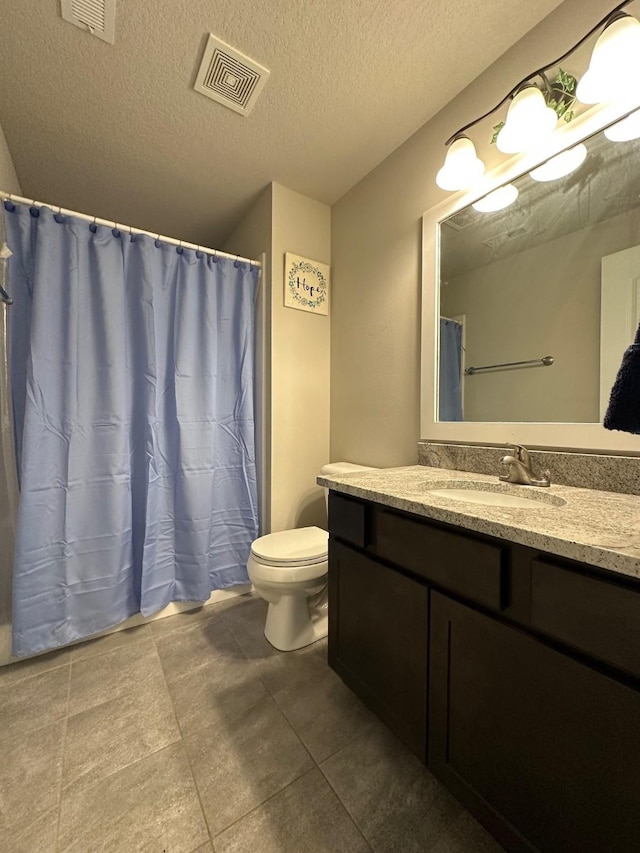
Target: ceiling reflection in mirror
<point>539,300</point>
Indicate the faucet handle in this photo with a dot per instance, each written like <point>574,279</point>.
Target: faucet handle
<point>521,453</point>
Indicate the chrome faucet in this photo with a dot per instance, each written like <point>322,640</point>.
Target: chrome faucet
<point>520,470</point>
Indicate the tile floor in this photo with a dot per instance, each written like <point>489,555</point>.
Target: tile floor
<point>193,735</point>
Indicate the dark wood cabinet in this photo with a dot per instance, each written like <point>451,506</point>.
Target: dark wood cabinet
<point>515,674</point>
<point>378,632</point>
<point>541,746</point>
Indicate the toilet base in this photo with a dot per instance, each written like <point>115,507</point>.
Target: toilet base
<point>292,624</point>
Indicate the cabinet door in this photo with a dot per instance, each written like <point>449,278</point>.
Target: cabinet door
<point>539,746</point>
<point>378,633</point>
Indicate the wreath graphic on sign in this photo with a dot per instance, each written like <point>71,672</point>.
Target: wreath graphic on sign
<point>309,295</point>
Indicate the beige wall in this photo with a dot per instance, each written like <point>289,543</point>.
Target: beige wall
<point>8,178</point>
<point>297,357</point>
<point>300,347</point>
<point>8,489</point>
<point>252,239</point>
<point>545,301</point>
<point>375,347</point>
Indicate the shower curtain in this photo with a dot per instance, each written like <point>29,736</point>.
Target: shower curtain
<point>132,385</point>
<point>450,388</point>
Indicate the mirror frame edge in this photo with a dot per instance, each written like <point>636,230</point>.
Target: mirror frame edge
<point>576,436</point>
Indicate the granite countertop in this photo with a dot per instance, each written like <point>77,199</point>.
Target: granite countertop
<point>598,528</point>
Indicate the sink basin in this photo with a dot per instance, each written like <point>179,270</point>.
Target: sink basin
<point>494,495</point>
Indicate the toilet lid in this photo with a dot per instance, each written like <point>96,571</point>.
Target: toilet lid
<point>303,546</point>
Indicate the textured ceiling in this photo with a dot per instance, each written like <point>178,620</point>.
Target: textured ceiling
<point>118,131</point>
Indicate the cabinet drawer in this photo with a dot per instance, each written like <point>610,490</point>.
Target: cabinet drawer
<point>348,519</point>
<point>469,567</point>
<point>595,616</point>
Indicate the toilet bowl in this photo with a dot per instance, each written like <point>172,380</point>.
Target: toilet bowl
<point>289,570</point>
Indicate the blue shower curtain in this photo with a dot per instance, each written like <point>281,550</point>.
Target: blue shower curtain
<point>449,388</point>
<point>132,367</point>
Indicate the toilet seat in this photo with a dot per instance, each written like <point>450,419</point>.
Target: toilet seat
<point>304,546</point>
<point>290,556</point>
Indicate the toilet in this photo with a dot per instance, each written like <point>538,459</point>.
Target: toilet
<point>289,570</point>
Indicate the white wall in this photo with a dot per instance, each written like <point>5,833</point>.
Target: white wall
<point>376,257</point>
<point>298,364</point>
<point>8,489</point>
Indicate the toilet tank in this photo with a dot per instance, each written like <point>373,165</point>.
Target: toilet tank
<point>337,469</point>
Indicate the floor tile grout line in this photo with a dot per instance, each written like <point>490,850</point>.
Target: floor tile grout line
<point>264,802</point>
<point>331,754</point>
<point>126,767</point>
<point>275,793</point>
<point>344,805</point>
<point>28,676</point>
<point>110,698</point>
<point>350,741</point>
<point>78,779</point>
<point>126,643</point>
<point>183,744</point>
<point>295,731</point>
<point>62,757</point>
<point>212,608</point>
<point>258,805</point>
<point>199,666</point>
<point>284,788</point>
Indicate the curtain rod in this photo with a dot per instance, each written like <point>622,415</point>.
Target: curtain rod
<point>98,221</point>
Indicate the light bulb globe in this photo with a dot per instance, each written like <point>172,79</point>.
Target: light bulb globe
<point>496,200</point>
<point>462,166</point>
<point>560,165</point>
<point>625,130</point>
<point>529,122</point>
<point>614,66</point>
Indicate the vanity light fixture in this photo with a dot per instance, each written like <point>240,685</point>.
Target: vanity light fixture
<point>623,131</point>
<point>497,200</point>
<point>529,122</point>
<point>534,108</point>
<point>562,164</point>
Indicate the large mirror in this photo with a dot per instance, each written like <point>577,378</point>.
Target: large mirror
<point>535,303</point>
<point>538,299</point>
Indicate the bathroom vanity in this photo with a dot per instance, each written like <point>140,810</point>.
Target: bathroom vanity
<point>501,644</point>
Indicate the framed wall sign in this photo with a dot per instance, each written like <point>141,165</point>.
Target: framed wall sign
<point>306,284</point>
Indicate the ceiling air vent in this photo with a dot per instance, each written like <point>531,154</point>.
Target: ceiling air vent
<point>229,77</point>
<point>97,17</point>
<point>463,219</point>
<point>499,239</point>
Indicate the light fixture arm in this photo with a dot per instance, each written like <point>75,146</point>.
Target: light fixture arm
<point>540,72</point>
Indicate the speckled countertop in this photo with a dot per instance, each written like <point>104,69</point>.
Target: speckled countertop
<point>598,528</point>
